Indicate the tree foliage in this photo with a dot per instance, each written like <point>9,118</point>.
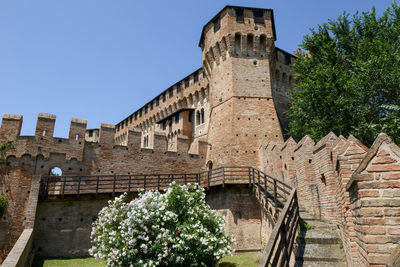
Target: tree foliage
<point>4,148</point>
<point>349,81</point>
<point>3,204</point>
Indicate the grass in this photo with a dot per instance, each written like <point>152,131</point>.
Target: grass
<point>75,262</point>
<point>239,260</point>
<point>304,226</point>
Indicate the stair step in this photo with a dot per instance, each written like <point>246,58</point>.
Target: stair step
<point>306,216</point>
<point>319,236</point>
<point>322,225</point>
<point>320,253</point>
<point>319,264</point>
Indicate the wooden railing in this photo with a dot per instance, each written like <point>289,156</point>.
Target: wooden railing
<point>281,241</point>
<point>269,192</point>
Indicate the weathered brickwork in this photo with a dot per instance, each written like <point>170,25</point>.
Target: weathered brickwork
<point>38,155</point>
<point>229,112</point>
<point>342,181</point>
<point>240,91</point>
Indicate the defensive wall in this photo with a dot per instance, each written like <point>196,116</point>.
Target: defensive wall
<point>70,220</point>
<point>342,181</point>
<point>37,155</point>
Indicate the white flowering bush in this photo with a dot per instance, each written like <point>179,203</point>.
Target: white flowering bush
<point>176,228</point>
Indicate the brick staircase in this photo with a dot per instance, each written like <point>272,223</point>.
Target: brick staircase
<point>320,246</point>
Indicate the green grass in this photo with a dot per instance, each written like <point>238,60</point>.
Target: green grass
<point>304,227</point>
<point>75,262</point>
<point>239,260</point>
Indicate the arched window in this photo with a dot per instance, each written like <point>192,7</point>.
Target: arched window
<point>237,44</point>
<point>198,118</point>
<point>250,45</point>
<point>55,171</point>
<point>263,45</point>
<point>209,165</point>
<point>202,115</point>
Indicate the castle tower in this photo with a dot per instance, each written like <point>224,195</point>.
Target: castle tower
<point>239,58</point>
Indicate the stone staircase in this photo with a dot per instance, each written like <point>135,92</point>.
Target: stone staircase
<point>320,246</point>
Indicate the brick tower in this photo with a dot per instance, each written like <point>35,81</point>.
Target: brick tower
<point>239,57</point>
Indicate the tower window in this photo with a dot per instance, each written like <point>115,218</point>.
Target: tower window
<point>288,60</point>
<point>140,113</point>
<point>263,44</point>
<point>250,45</point>
<point>178,87</point>
<point>151,105</point>
<point>198,118</point>
<point>196,77</point>
<point>164,125</point>
<point>157,101</point>
<point>163,97</point>
<point>239,15</point>
<point>258,17</point>
<point>186,82</point>
<point>91,132</point>
<point>130,119</point>
<point>170,92</point>
<point>135,116</point>
<point>177,118</point>
<point>145,109</point>
<point>217,24</point>
<point>237,44</point>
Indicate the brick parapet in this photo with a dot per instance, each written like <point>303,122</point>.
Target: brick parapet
<point>361,193</point>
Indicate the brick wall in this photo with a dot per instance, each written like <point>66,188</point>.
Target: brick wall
<point>342,181</point>
<point>37,155</point>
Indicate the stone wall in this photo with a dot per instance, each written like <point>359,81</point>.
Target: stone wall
<point>70,220</point>
<point>342,181</point>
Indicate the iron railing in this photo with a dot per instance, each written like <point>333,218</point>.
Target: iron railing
<point>269,192</point>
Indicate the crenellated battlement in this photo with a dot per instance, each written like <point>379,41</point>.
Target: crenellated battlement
<point>342,181</point>
<point>103,156</point>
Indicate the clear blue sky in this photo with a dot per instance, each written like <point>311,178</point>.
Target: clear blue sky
<point>101,60</point>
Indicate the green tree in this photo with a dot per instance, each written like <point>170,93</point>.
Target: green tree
<point>349,81</point>
<point>4,148</point>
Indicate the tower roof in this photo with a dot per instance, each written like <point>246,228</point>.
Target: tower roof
<point>241,7</point>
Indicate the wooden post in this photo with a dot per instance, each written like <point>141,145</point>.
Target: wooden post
<point>79,187</point>
<point>115,178</point>
<point>265,191</point>
<point>275,194</point>
<point>129,185</point>
<point>97,186</point>
<point>63,189</point>
<point>223,176</point>
<point>249,176</point>
<point>208,177</point>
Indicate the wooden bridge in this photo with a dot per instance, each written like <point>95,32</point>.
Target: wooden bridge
<point>270,192</point>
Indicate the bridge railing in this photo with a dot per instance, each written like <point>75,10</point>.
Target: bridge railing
<point>269,191</point>
<point>280,245</point>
